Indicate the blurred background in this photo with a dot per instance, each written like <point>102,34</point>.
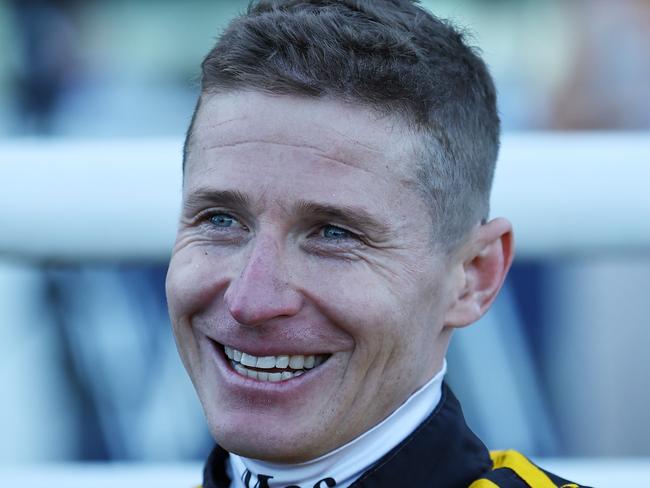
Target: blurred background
<point>88,367</point>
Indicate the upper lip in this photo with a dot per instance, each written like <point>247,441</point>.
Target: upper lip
<point>259,350</point>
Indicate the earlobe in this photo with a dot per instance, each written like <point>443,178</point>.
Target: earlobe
<point>486,259</point>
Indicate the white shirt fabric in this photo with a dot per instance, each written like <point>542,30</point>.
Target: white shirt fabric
<point>346,463</point>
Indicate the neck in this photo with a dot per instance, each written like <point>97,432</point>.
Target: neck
<point>347,463</point>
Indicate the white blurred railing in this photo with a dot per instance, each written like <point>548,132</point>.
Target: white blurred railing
<point>601,473</point>
<point>566,193</point>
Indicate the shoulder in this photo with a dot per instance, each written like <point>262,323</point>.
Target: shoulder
<point>511,469</point>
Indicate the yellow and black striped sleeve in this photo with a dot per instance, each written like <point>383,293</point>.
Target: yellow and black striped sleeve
<point>511,469</point>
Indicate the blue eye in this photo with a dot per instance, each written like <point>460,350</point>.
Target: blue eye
<point>222,220</point>
<point>333,232</point>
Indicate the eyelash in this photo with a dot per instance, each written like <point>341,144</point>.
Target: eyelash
<point>205,219</point>
<point>348,234</point>
<point>223,214</point>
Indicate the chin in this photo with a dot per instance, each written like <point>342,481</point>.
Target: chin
<point>243,436</point>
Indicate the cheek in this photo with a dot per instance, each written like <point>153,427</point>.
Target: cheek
<point>365,307</point>
<point>193,279</point>
<point>383,311</point>
<point>190,286</point>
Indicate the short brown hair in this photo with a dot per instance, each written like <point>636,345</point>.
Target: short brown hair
<point>390,55</point>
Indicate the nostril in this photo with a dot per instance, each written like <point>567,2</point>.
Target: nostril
<point>253,303</point>
<point>239,313</point>
<point>236,303</point>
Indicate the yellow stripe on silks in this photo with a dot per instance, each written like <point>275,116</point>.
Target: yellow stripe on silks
<point>526,470</point>
<point>483,484</point>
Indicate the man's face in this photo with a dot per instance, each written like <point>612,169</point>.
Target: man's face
<point>302,234</point>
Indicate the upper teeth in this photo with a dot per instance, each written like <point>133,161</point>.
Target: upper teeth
<point>298,361</point>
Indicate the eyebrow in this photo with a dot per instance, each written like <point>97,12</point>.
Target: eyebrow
<point>354,216</point>
<point>227,198</point>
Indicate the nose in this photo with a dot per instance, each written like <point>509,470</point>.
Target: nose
<point>262,291</point>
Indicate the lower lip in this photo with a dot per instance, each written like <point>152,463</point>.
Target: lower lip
<point>252,386</point>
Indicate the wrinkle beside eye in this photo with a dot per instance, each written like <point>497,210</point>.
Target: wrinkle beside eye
<point>390,262</point>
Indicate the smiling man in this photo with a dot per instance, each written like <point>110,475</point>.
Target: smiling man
<point>333,234</point>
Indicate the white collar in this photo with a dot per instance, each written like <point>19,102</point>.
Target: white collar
<point>347,463</point>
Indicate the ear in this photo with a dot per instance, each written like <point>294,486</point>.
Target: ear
<point>484,261</point>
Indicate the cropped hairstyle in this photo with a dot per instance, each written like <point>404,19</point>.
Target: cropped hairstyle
<point>391,56</point>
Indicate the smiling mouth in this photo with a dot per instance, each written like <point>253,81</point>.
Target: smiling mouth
<point>272,368</point>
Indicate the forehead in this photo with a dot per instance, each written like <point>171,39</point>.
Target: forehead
<point>345,133</point>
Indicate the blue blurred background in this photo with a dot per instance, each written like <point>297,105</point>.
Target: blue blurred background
<point>88,367</point>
